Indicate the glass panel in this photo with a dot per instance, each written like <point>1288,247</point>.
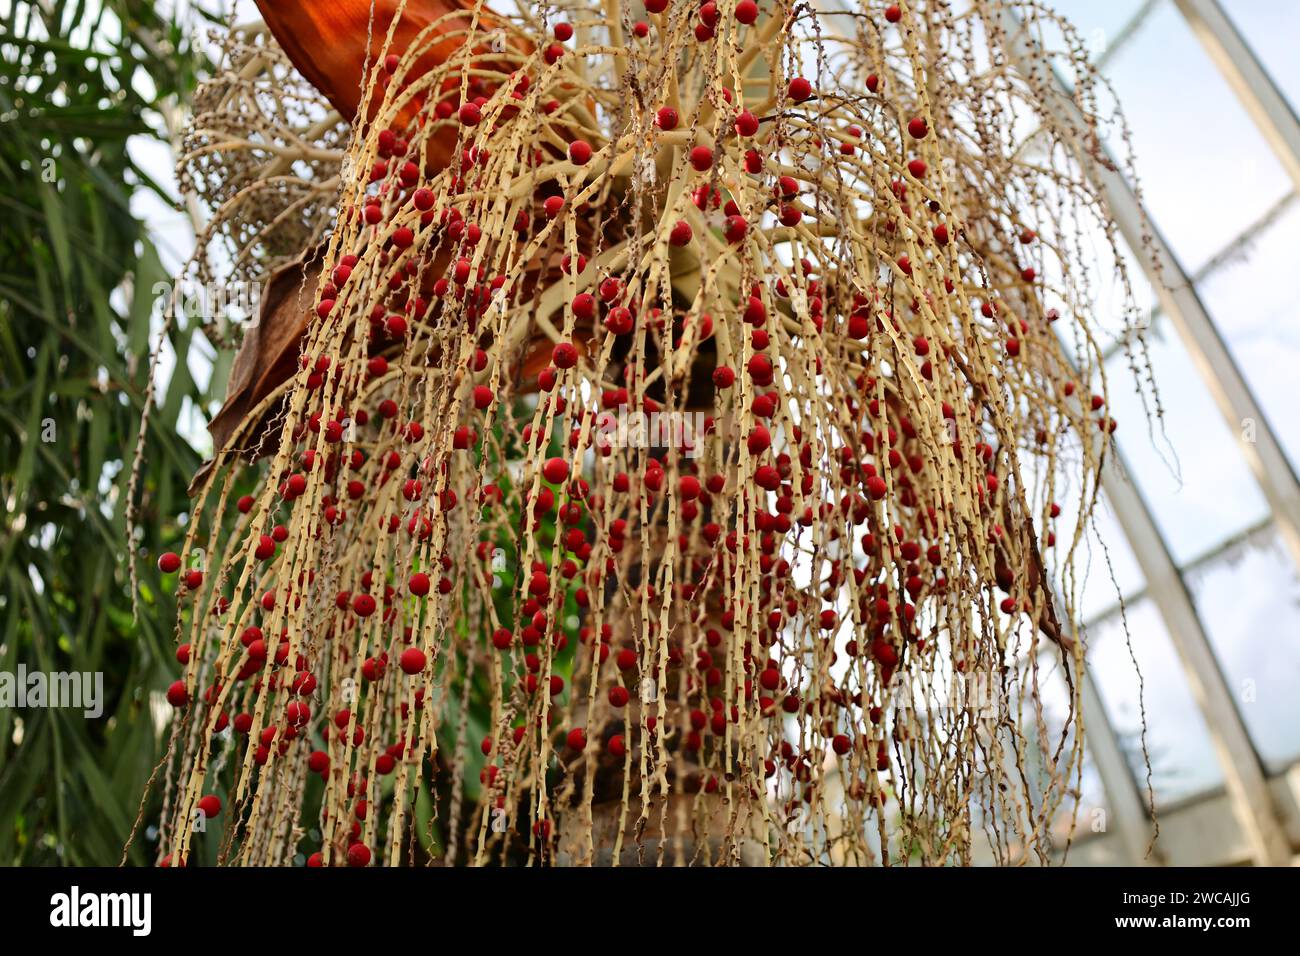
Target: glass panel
<point>1205,170</point>
<point>1109,310</point>
<point>1183,762</point>
<point>1271,28</point>
<point>1093,564</point>
<point>1261,321</point>
<point>1099,24</point>
<point>1192,476</point>
<point>1249,601</point>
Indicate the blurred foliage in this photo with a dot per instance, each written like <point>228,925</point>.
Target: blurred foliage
<point>77,314</point>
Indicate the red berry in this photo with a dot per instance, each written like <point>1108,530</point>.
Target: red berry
<point>210,805</point>
<point>893,13</point>
<point>917,127</point>
<point>576,739</point>
<point>555,470</point>
<point>610,289</point>
<point>470,114</point>
<point>681,233</point>
<point>800,89</point>
<point>413,660</point>
<point>666,119</point>
<point>169,562</point>
<point>553,206</point>
<point>579,152</point>
<point>177,695</point>
<point>746,11</point>
<point>564,355</point>
<point>618,696</point>
<point>563,32</point>
<point>619,320</point>
<point>419,584</point>
<point>876,487</point>
<point>616,747</point>
<point>297,713</point>
<point>701,158</point>
<point>358,855</point>
<point>840,744</point>
<point>584,305</point>
<point>746,123</point>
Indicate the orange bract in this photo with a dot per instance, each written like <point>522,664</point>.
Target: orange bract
<point>327,42</point>
<point>326,39</point>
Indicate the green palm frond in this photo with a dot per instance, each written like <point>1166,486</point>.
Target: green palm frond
<point>76,273</point>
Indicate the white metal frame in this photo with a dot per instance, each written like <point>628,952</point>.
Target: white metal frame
<point>1263,101</point>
